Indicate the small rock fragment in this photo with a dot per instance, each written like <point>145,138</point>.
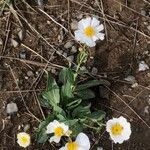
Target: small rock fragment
<point>68,44</point>
<point>74,25</point>
<point>30,74</point>
<point>143,12</point>
<point>73,50</point>
<point>14,43</point>
<point>143,66</point>
<point>130,79</point>
<point>146,110</point>
<point>26,127</point>
<point>65,54</point>
<point>134,85</point>
<point>20,35</point>
<point>53,70</point>
<point>70,58</point>
<point>99,148</point>
<point>94,71</point>
<point>11,108</point>
<point>22,54</point>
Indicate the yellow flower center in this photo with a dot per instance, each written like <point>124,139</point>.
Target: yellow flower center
<point>24,140</point>
<point>59,131</point>
<point>72,146</point>
<point>116,129</point>
<point>89,31</point>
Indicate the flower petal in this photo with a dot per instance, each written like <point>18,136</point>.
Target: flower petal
<point>78,35</point>
<point>100,28</point>
<point>55,139</point>
<point>62,148</point>
<point>101,36</point>
<point>86,22</point>
<point>89,42</point>
<point>95,22</point>
<point>83,141</point>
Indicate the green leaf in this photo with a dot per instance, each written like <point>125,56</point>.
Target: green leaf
<point>85,94</point>
<point>66,91</point>
<point>98,115</point>
<point>51,95</point>
<point>65,75</point>
<point>74,103</point>
<point>82,57</point>
<point>92,83</point>
<point>81,112</point>
<point>41,135</point>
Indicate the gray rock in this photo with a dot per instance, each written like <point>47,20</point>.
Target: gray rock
<point>20,35</point>
<point>70,58</point>
<point>94,71</point>
<point>73,50</point>
<point>11,108</point>
<point>143,12</point>
<point>65,54</point>
<point>53,70</point>
<point>30,74</point>
<point>22,54</point>
<point>74,25</point>
<point>130,79</point>
<point>68,44</point>
<point>14,43</point>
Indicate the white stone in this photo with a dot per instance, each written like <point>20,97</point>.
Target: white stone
<point>14,43</point>
<point>68,44</point>
<point>143,66</point>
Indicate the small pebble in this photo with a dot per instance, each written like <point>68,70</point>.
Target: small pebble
<point>26,127</point>
<point>73,50</point>
<point>65,54</point>
<point>130,79</point>
<point>20,35</point>
<point>143,66</point>
<point>94,71</point>
<point>68,44</point>
<point>74,25</point>
<point>99,148</point>
<point>22,54</point>
<point>70,58</point>
<point>14,43</point>
<point>30,74</point>
<point>134,85</point>
<point>146,110</point>
<point>11,108</point>
<point>53,70</point>
<point>143,12</point>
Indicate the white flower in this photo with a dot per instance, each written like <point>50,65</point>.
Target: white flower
<point>89,31</point>
<point>23,139</point>
<point>119,129</point>
<point>59,130</point>
<point>81,143</point>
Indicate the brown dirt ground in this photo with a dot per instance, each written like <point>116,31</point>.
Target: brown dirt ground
<point>126,43</point>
